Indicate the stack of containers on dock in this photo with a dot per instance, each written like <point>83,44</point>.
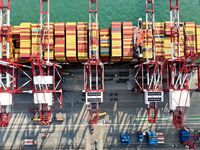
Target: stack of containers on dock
<point>51,42</point>
<point>167,28</point>
<point>159,39</point>
<point>25,41</point>
<point>71,41</point>
<point>116,41</point>
<point>105,45</point>
<point>151,138</point>
<point>82,35</point>
<point>60,42</point>
<point>198,38</point>
<point>36,40</point>
<point>147,47</point>
<point>16,38</point>
<point>190,42</point>
<point>127,32</point>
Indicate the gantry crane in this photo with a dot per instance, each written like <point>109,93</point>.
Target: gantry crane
<point>178,70</point>
<point>5,67</point>
<point>9,71</point>
<point>93,68</point>
<point>46,75</point>
<point>152,85</point>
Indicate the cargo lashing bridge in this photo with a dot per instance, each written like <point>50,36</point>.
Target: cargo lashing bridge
<point>93,68</point>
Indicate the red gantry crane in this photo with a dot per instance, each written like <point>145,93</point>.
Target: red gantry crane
<point>153,93</point>
<point>46,75</point>
<point>178,70</point>
<point>5,67</point>
<point>93,68</point>
<point>151,85</point>
<point>9,82</point>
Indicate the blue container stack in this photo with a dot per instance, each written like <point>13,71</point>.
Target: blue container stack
<point>151,138</point>
<point>125,138</point>
<point>184,136</point>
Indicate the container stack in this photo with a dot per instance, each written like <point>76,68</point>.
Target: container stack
<point>105,45</point>
<point>190,42</point>
<point>36,40</point>
<point>82,35</point>
<point>159,39</point>
<point>167,28</point>
<point>51,42</point>
<point>167,47</point>
<point>147,47</point>
<point>16,42</point>
<point>25,41</point>
<point>152,138</point>
<point>60,41</point>
<point>198,38</point>
<point>71,41</point>
<point>116,41</point>
<point>127,41</point>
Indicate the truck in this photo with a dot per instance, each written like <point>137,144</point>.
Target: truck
<point>59,117</point>
<point>161,138</point>
<point>125,139</point>
<point>140,137</point>
<point>151,138</point>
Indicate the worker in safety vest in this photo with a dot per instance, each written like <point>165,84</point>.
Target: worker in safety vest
<point>138,39</point>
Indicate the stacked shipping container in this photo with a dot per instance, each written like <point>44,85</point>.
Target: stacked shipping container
<point>71,42</point>
<point>198,38</point>
<point>147,47</point>
<point>82,41</point>
<point>115,44</point>
<point>159,39</point>
<point>60,42</point>
<point>167,42</point>
<point>116,41</point>
<point>105,45</point>
<point>25,41</point>
<point>16,42</point>
<point>127,32</point>
<point>36,41</point>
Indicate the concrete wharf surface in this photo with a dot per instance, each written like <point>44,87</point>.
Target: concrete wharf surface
<point>126,112</point>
